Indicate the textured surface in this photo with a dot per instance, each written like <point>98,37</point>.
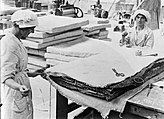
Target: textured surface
<point>36,45</point>
<point>65,35</point>
<point>55,24</point>
<point>136,63</point>
<point>112,90</point>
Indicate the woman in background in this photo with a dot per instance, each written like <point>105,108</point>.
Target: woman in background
<point>140,35</point>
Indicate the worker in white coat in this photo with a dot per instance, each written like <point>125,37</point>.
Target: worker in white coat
<point>16,90</point>
<point>140,35</point>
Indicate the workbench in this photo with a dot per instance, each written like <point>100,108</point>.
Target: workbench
<point>139,106</point>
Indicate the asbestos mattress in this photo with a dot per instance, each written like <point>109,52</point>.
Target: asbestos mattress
<point>69,52</point>
<point>65,35</point>
<point>56,24</point>
<point>97,71</point>
<point>37,45</point>
<point>82,49</point>
<point>93,27</point>
<point>94,69</point>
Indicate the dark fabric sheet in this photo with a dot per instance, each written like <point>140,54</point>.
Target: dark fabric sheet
<point>110,91</point>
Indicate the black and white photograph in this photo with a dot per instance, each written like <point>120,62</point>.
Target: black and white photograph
<point>82,59</point>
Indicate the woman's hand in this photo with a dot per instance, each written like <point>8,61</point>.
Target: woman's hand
<point>125,39</point>
<point>124,34</point>
<point>24,90</point>
<point>37,72</point>
<point>121,43</point>
<point>14,85</point>
<point>138,53</point>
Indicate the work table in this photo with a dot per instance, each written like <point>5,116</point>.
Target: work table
<point>134,64</point>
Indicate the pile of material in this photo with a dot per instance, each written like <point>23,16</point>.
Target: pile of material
<point>36,62</point>
<point>52,30</point>
<point>97,29</point>
<point>71,51</point>
<point>111,91</point>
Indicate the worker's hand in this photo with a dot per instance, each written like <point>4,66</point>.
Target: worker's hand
<point>138,53</point>
<point>121,43</point>
<point>40,72</point>
<point>124,34</point>
<point>124,40</point>
<point>129,45</point>
<point>24,90</point>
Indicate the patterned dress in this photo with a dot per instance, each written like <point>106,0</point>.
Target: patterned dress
<point>14,60</point>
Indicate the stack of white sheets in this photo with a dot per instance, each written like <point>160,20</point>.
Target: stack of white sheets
<point>97,29</point>
<point>52,30</point>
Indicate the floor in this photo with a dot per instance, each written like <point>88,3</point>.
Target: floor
<point>44,101</point>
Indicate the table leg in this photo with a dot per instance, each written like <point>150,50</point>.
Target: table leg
<point>61,106</point>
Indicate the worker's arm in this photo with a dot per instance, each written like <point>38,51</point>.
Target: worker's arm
<point>14,85</point>
<point>150,40</point>
<point>37,72</point>
<point>9,66</point>
<point>148,43</point>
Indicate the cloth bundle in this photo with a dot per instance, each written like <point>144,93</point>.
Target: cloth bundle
<point>110,91</point>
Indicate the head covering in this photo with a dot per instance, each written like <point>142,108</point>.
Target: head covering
<point>142,12</point>
<point>24,18</point>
